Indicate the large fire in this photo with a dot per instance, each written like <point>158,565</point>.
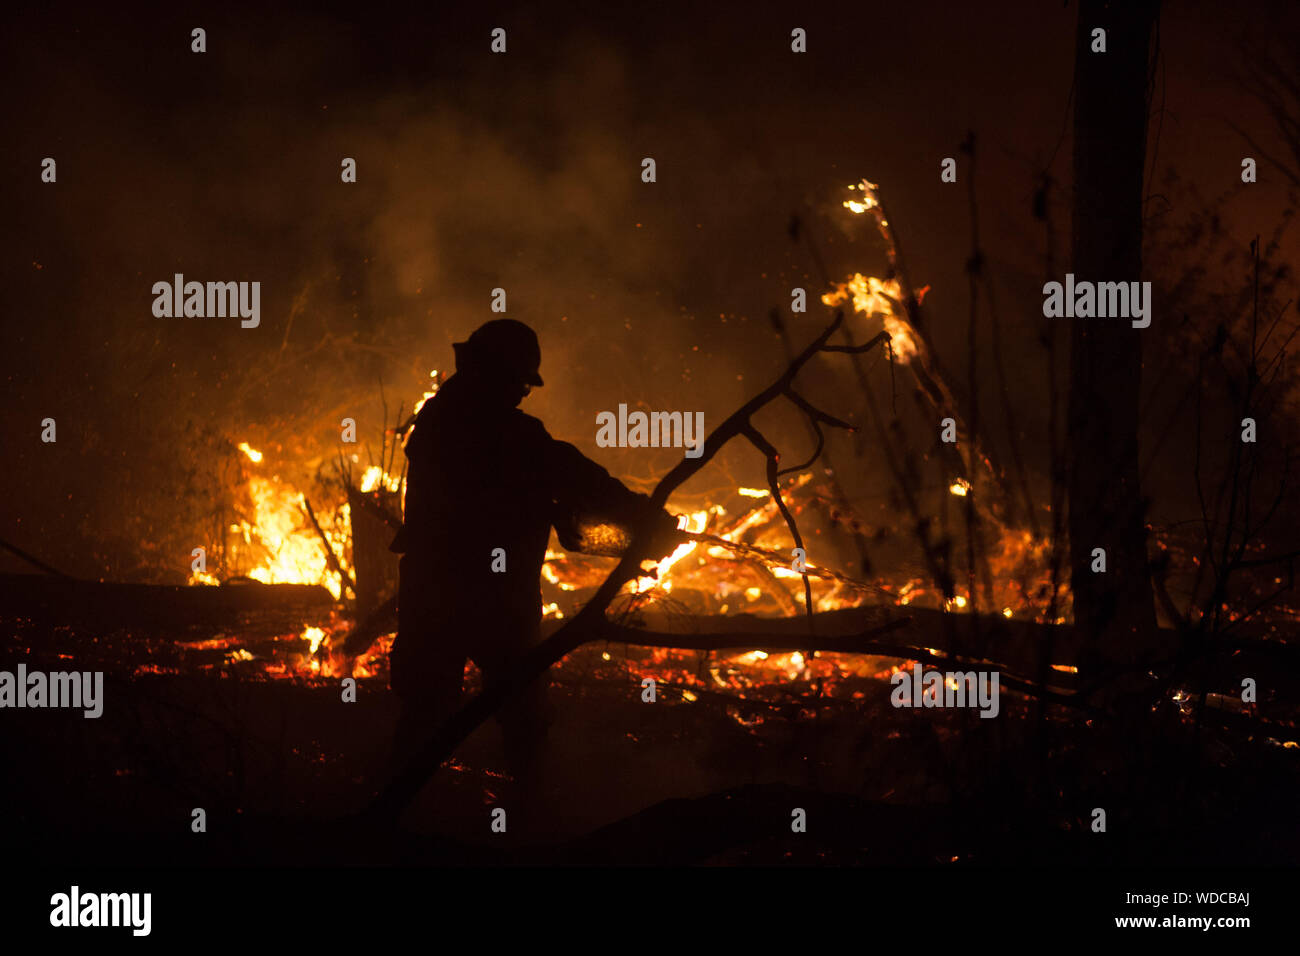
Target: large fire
<point>737,561</point>
<point>275,542</point>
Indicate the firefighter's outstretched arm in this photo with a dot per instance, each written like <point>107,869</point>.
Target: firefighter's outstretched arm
<point>581,485</point>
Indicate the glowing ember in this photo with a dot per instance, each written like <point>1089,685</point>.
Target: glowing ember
<point>375,476</point>
<point>549,574</point>
<point>253,454</point>
<point>868,201</point>
<point>960,487</point>
<point>432,391</point>
<point>315,635</point>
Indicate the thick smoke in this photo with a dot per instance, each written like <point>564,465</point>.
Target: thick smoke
<point>474,172</point>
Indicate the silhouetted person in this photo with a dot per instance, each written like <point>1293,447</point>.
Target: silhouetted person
<point>483,475</point>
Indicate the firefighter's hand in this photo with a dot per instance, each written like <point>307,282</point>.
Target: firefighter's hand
<point>664,536</point>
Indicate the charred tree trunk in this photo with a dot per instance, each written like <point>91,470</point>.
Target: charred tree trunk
<point>371,518</point>
<point>1106,506</point>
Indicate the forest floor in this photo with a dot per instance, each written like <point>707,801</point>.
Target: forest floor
<point>282,766</point>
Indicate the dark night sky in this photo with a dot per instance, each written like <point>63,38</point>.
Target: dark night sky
<point>520,171</point>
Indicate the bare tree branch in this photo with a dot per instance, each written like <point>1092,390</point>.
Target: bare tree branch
<point>587,624</point>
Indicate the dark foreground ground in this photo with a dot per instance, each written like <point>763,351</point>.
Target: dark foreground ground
<point>282,767</point>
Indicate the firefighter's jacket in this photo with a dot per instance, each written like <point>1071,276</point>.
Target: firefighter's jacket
<point>482,477</point>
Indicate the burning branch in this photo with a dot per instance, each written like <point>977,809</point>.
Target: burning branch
<point>768,559</point>
<point>589,623</point>
<point>330,556</point>
<point>773,456</point>
<point>901,314</point>
<point>832,473</point>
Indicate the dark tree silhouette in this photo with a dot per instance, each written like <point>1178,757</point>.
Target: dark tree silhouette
<point>1106,504</point>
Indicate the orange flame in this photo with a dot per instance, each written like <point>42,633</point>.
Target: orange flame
<point>879,298</point>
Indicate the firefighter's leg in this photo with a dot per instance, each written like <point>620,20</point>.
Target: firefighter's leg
<point>524,726</point>
<point>427,665</point>
<point>524,721</point>
<point>425,706</point>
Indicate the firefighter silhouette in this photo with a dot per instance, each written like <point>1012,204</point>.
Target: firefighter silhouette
<point>483,475</point>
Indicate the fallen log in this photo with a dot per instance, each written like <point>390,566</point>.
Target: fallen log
<point>916,635</point>
<point>900,638</point>
<point>1015,645</point>
<point>783,640</point>
<point>106,605</point>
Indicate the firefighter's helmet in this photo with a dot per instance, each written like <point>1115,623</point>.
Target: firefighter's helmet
<point>502,347</point>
